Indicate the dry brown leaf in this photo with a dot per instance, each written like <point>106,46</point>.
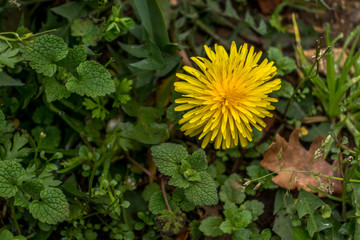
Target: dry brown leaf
<point>296,157</point>
<point>268,6</point>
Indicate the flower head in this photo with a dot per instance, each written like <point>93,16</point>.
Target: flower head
<point>227,97</point>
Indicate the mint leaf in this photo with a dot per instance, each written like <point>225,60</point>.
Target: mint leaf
<point>191,175</point>
<point>54,89</point>
<point>44,52</point>
<point>93,80</point>
<point>198,160</point>
<point>231,191</point>
<point>285,65</point>
<point>52,208</point>
<point>33,187</point>
<point>167,156</point>
<point>8,56</point>
<point>20,200</point>
<point>203,192</point>
<point>12,174</point>
<point>210,226</point>
<point>73,59</point>
<point>178,180</point>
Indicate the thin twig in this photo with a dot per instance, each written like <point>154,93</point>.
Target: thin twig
<point>150,174</point>
<point>164,193</point>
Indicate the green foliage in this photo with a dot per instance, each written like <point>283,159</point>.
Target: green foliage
<point>11,176</point>
<point>8,56</point>
<point>187,172</point>
<point>284,65</point>
<point>210,226</point>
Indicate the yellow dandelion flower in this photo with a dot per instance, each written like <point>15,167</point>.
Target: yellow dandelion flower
<point>227,97</point>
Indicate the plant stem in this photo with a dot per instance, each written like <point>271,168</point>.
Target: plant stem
<point>13,215</point>
<point>150,174</point>
<point>164,194</point>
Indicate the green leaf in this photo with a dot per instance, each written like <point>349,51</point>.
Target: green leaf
<point>12,174</point>
<point>285,65</point>
<point>300,234</point>
<point>235,218</point>
<point>316,223</point>
<point>20,200</point>
<point>167,157</point>
<point>282,225</point>
<point>307,203</point>
<point>93,80</point>
<point>138,51</point>
<point>147,133</point>
<point>203,192</point>
<point>149,190</point>
<point>71,10</point>
<point>255,207</point>
<point>54,89</point>
<point>198,160</point>
<point>87,30</point>
<point>2,121</point>
<point>7,80</point>
<point>48,136</point>
<point>8,56</point>
<point>170,223</point>
<point>73,59</point>
<point>153,21</point>
<point>286,90</point>
<point>52,208</point>
<point>191,175</point>
<point>157,203</point>
<point>6,235</point>
<point>33,187</point>
<point>210,226</point>
<point>16,150</point>
<point>44,52</point>
<point>194,230</point>
<point>231,190</point>
<point>178,180</point>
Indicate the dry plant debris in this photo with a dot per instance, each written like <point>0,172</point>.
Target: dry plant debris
<point>291,156</point>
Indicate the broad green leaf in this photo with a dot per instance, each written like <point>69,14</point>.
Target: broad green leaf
<point>167,157</point>
<point>54,89</point>
<point>178,180</point>
<point>307,203</point>
<point>198,160</point>
<point>6,80</point>
<point>203,192</point>
<point>93,80</point>
<point>147,133</point>
<point>194,230</point>
<point>33,187</point>
<point>157,203</point>
<point>282,200</point>
<point>44,52</point>
<point>285,65</point>
<point>210,226</point>
<point>12,174</point>
<point>138,51</point>
<point>71,10</point>
<point>282,225</point>
<point>316,223</point>
<point>87,30</point>
<point>48,136</point>
<point>235,218</point>
<point>255,207</point>
<point>300,234</point>
<point>52,208</point>
<point>149,190</point>
<point>73,59</point>
<point>231,190</point>
<point>153,21</point>
<point>286,90</point>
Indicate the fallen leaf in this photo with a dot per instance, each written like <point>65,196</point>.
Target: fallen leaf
<point>295,157</point>
<point>268,6</point>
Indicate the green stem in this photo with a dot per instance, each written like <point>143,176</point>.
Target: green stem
<point>164,194</point>
<point>13,215</point>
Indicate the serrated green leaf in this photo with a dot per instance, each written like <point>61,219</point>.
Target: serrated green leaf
<point>191,175</point>
<point>307,203</point>
<point>20,200</point>
<point>52,208</point>
<point>210,226</point>
<point>87,30</point>
<point>198,160</point>
<point>15,151</point>
<point>203,192</point>
<point>12,174</point>
<point>231,190</point>
<point>285,65</point>
<point>73,59</point>
<point>178,180</point>
<point>255,207</point>
<point>33,187</point>
<point>93,80</point>
<point>167,157</point>
<point>44,52</point>
<point>235,218</point>
<point>185,165</point>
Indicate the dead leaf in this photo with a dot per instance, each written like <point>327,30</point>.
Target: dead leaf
<point>309,54</point>
<point>296,157</point>
<point>268,6</point>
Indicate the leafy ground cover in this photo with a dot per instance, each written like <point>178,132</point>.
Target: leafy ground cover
<point>180,119</point>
